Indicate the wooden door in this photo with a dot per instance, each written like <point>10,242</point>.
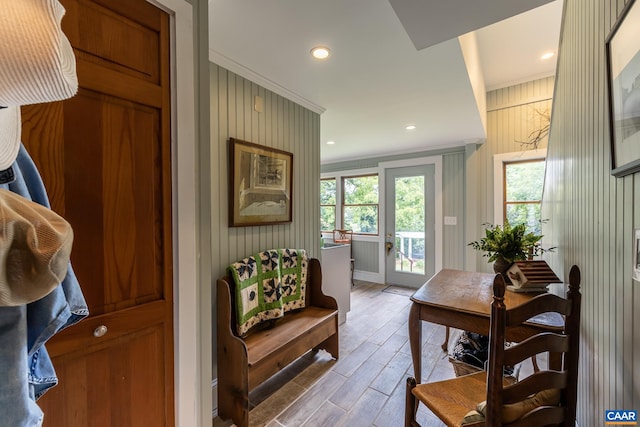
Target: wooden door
<point>104,156</point>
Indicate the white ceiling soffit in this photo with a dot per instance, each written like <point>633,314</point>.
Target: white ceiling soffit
<point>429,22</point>
<point>375,82</point>
<point>509,50</point>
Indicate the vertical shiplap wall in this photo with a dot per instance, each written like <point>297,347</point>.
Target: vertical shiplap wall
<point>453,180</point>
<point>594,215</point>
<point>367,257</point>
<point>284,125</point>
<point>512,114</point>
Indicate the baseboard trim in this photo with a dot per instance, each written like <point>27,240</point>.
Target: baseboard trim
<point>368,276</point>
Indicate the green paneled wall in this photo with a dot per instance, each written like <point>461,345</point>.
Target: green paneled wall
<point>594,215</point>
<point>453,170</point>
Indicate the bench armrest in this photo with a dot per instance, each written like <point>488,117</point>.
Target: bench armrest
<point>314,285</point>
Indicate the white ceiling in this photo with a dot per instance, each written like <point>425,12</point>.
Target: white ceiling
<point>375,81</point>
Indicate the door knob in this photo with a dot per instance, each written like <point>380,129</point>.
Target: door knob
<point>100,331</point>
<point>389,246</point>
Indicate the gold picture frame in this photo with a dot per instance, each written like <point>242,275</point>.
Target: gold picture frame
<point>260,184</point>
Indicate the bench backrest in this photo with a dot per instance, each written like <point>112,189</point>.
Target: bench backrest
<point>314,279</point>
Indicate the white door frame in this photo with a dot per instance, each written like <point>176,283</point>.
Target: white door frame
<point>192,354</point>
<point>420,161</point>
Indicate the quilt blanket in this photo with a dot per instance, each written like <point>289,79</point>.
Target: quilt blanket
<point>267,285</point>
<point>258,289</point>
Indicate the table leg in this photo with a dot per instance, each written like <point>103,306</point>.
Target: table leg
<point>445,344</point>
<point>415,340</point>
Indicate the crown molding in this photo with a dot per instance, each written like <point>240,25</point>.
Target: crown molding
<point>235,67</point>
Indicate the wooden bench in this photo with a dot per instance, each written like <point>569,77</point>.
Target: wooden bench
<point>244,363</point>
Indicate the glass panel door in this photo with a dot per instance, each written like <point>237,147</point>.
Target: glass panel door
<point>410,225</point>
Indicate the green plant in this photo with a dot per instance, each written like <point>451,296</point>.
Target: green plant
<point>512,243</point>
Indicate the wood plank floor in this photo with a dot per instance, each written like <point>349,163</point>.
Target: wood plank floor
<point>366,387</point>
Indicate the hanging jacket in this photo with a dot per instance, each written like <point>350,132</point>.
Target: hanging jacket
<point>27,371</point>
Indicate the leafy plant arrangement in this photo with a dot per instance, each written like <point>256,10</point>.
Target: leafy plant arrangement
<point>512,243</point>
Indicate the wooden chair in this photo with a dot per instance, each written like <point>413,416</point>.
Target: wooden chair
<point>547,397</point>
<point>346,237</point>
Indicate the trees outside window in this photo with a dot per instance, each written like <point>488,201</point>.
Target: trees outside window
<point>360,203</point>
<point>523,182</point>
<point>328,204</point>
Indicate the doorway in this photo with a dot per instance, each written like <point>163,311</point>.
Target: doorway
<point>410,225</point>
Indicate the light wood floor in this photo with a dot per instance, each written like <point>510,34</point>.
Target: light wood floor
<point>366,386</point>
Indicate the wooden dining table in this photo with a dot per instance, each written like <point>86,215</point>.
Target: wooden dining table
<point>462,300</point>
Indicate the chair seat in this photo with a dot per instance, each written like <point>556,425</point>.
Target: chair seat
<point>450,400</point>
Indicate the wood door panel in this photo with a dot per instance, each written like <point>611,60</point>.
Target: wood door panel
<point>114,41</point>
<point>142,12</point>
<point>129,366</point>
<point>99,79</point>
<point>105,158</point>
<point>115,203</point>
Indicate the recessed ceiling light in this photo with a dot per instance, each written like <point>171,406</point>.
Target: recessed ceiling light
<point>410,127</point>
<point>547,55</point>
<point>330,142</point>
<point>320,52</point>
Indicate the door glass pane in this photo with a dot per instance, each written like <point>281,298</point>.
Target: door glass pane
<point>409,224</point>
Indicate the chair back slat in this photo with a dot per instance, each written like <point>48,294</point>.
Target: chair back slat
<point>532,346</point>
<point>544,303</point>
<point>543,380</point>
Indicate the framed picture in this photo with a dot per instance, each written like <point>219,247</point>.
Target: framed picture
<point>260,184</point>
<point>623,67</point>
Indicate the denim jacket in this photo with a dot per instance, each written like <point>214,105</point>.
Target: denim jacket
<point>26,371</point>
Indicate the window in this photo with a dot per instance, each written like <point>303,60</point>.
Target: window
<point>360,203</point>
<point>328,204</point>
<point>522,192</point>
